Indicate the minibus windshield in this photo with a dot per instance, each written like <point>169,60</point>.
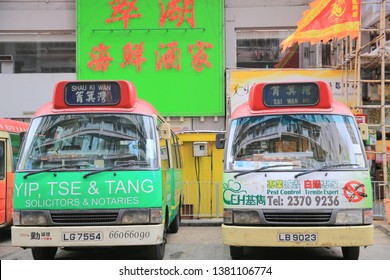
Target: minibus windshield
<point>289,142</point>
<point>90,141</point>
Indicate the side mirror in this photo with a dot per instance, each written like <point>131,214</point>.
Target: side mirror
<point>165,131</point>
<point>363,128</point>
<point>21,137</point>
<point>220,141</point>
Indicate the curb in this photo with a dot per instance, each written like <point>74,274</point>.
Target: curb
<point>384,228</point>
<point>201,222</point>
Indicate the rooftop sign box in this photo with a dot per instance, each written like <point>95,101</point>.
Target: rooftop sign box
<point>120,94</point>
<point>290,94</point>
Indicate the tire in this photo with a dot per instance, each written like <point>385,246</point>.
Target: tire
<point>44,253</point>
<point>174,226</point>
<point>350,253</point>
<point>236,253</point>
<point>156,252</point>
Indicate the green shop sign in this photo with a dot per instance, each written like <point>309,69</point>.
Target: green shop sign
<point>172,50</point>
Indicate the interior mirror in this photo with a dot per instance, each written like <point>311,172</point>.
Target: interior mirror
<point>220,141</point>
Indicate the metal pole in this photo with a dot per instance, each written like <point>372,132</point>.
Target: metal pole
<point>383,92</point>
<point>217,200</point>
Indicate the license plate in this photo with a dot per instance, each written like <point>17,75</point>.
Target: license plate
<point>82,236</point>
<point>298,237</point>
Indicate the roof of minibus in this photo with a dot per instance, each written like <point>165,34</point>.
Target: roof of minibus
<point>12,125</point>
<point>337,108</point>
<point>140,107</point>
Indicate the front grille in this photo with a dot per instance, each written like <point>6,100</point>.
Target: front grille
<point>72,217</point>
<point>297,217</point>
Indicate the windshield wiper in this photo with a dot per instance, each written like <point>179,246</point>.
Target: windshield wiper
<point>325,167</point>
<point>263,168</point>
<point>78,166</point>
<point>127,164</point>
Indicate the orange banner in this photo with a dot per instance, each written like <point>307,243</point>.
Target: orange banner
<point>290,59</point>
<point>325,20</point>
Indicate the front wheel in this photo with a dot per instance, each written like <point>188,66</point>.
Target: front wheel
<point>350,253</point>
<point>156,252</point>
<point>174,226</point>
<point>44,253</point>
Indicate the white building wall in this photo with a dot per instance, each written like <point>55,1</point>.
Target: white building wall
<point>55,20</point>
<point>37,15</point>
<point>33,21</point>
<point>241,14</point>
<point>22,94</point>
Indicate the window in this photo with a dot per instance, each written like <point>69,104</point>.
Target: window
<point>2,160</point>
<point>91,141</point>
<point>261,49</point>
<point>41,57</point>
<point>299,141</point>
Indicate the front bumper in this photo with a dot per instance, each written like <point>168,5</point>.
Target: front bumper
<point>344,236</point>
<point>84,236</point>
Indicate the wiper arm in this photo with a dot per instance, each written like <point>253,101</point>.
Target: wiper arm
<point>263,168</point>
<point>325,167</point>
<point>78,166</point>
<point>127,164</point>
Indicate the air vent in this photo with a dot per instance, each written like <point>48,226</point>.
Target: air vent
<point>297,217</point>
<point>84,217</point>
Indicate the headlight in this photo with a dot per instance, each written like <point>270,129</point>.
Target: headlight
<point>349,217</point>
<point>33,219</point>
<point>142,216</point>
<point>246,217</point>
<point>139,216</point>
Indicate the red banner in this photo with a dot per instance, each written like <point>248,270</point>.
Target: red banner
<point>325,20</point>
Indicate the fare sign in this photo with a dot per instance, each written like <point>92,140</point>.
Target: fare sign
<point>291,94</point>
<point>92,93</point>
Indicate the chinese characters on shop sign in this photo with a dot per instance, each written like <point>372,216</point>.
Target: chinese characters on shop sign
<point>167,54</point>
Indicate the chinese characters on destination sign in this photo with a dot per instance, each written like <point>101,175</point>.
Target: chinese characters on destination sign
<point>284,95</point>
<point>92,93</point>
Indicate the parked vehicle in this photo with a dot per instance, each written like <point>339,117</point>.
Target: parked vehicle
<point>99,167</point>
<point>11,132</point>
<point>295,172</point>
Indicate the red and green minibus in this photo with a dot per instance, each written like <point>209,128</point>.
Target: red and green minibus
<point>99,167</point>
<point>295,172</point>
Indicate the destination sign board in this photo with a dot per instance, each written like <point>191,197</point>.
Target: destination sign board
<point>92,93</point>
<point>291,94</point>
